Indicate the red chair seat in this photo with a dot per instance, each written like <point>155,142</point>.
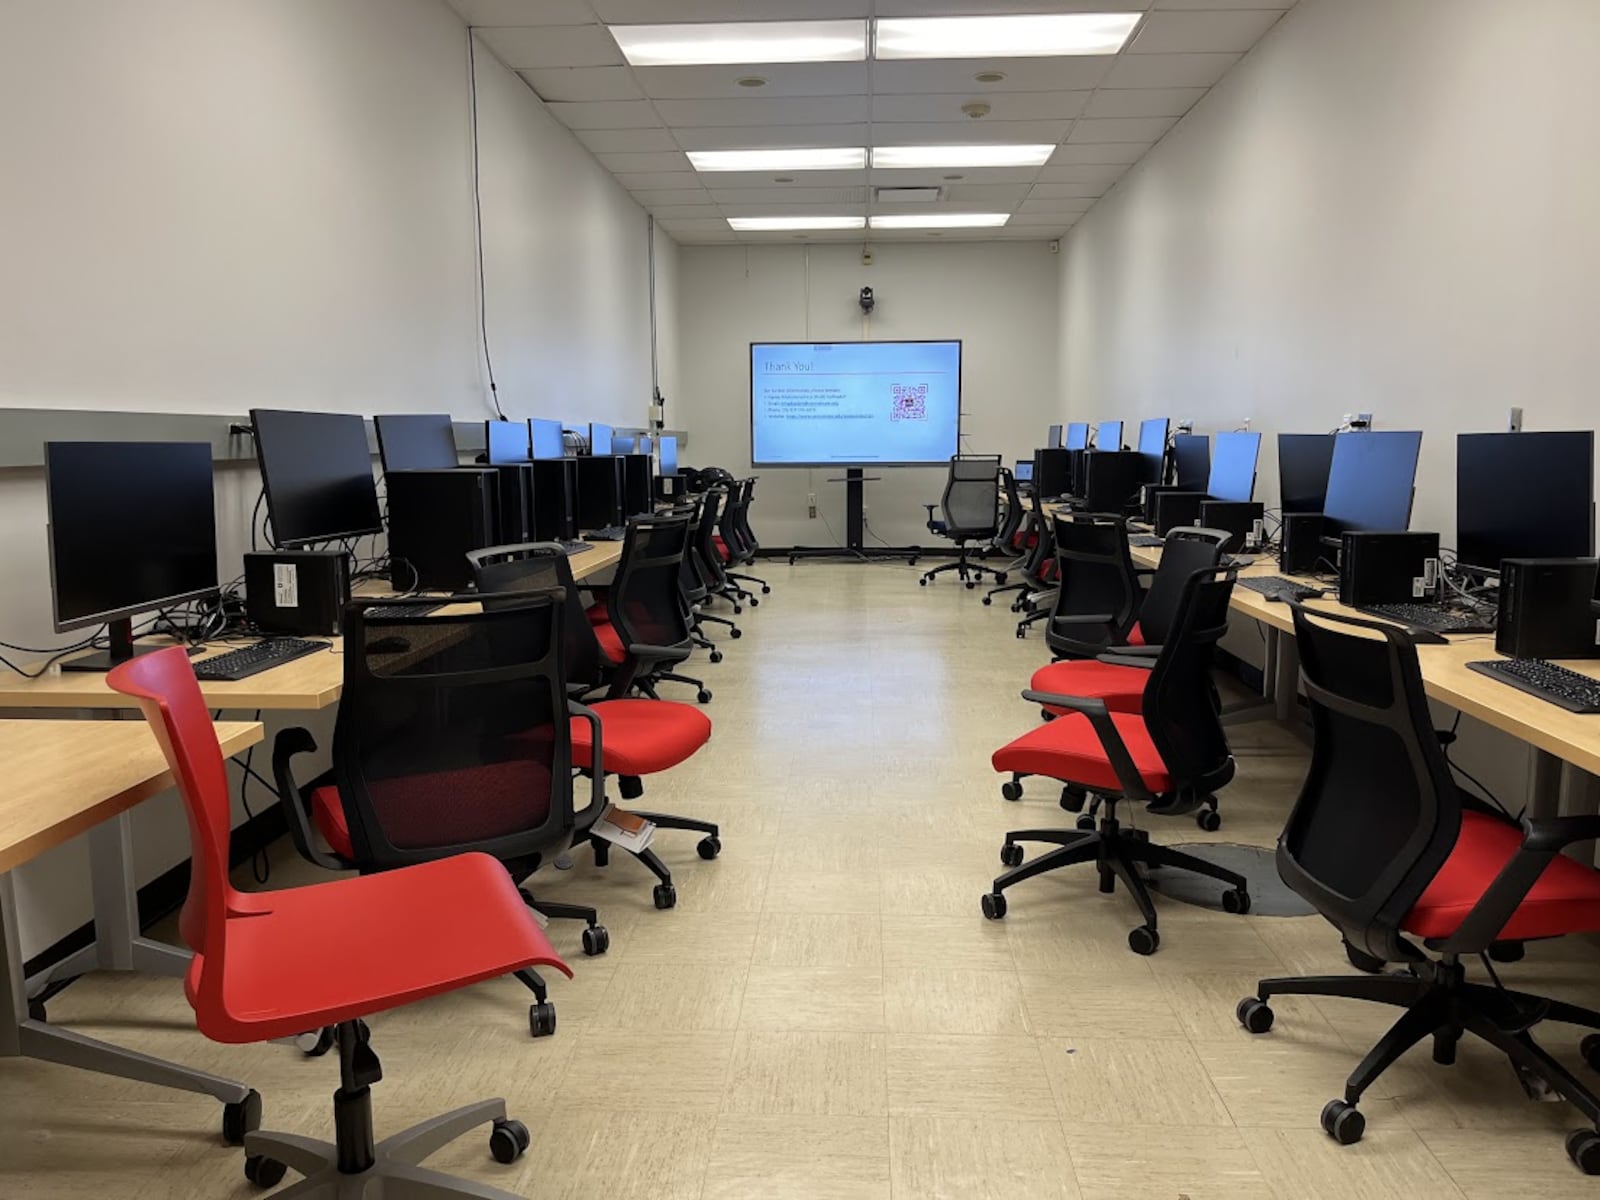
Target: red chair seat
<point>1067,749</point>
<point>294,963</point>
<point>641,737</point>
<point>1565,900</point>
<point>1135,635</point>
<point>722,546</point>
<point>327,811</point>
<point>1122,688</point>
<point>610,642</point>
<point>598,613</point>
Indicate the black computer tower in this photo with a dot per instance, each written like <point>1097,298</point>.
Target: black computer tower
<point>1052,473</point>
<point>298,592</point>
<point>600,491</point>
<point>638,482</point>
<point>1112,481</point>
<point>1176,508</point>
<point>1301,550</point>
<point>435,518</point>
<point>1546,608</point>
<point>1387,567</point>
<point>514,503</point>
<point>555,499</point>
<point>1240,518</point>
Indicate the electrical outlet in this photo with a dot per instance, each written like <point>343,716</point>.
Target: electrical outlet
<point>811,506</point>
<point>1365,419</point>
<point>1515,424</point>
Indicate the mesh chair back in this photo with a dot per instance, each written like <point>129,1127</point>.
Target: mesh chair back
<point>1379,812</point>
<point>971,500</point>
<point>691,578</point>
<point>706,559</point>
<point>1181,707</point>
<point>502,573</point>
<point>646,604</point>
<point>1187,550</point>
<point>728,526</point>
<point>1011,520</point>
<point>1099,593</point>
<point>453,734</point>
<point>747,534</point>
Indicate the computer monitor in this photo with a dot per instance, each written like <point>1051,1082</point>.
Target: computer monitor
<point>1191,453</point>
<point>1077,436</point>
<point>1523,495</point>
<point>316,469</point>
<point>1371,481</point>
<point>1153,448</point>
<point>1053,440</point>
<point>669,456</point>
<point>1233,467</point>
<point>416,442</point>
<point>132,528</point>
<point>1108,436</point>
<point>599,438</point>
<point>1303,463</point>
<point>506,442</point>
<point>1023,471</point>
<point>546,440</point>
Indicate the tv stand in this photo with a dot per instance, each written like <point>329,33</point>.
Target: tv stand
<point>855,527</point>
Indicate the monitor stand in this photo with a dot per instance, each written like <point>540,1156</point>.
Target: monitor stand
<point>122,649</point>
<point>855,497</point>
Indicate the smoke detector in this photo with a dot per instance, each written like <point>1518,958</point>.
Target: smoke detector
<point>976,109</point>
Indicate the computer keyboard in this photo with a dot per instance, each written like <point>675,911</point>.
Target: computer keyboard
<point>1561,687</point>
<point>576,547</point>
<point>1147,541</point>
<point>252,660</point>
<point>611,533</point>
<point>1276,587</point>
<point>392,612</point>
<point>1431,617</point>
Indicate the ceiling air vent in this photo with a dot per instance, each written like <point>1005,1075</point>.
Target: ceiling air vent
<point>907,195</point>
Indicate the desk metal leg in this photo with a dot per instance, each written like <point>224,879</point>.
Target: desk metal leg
<point>1544,783</point>
<point>1286,672</point>
<point>1258,710</point>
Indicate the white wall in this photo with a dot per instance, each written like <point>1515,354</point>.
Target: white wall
<point>1000,298</point>
<point>213,204</point>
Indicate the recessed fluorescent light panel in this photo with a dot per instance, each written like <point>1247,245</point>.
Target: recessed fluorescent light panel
<point>932,157</point>
<point>1003,37</point>
<point>776,224</point>
<point>837,158</point>
<point>941,221</point>
<point>742,42</point>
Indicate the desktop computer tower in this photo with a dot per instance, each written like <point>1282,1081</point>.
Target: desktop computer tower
<point>555,499</point>
<point>1176,508</point>
<point>1240,518</point>
<point>1147,498</point>
<point>1545,608</point>
<point>1301,551</point>
<point>514,503</point>
<point>1111,481</point>
<point>638,482</point>
<point>1052,473</point>
<point>1387,568</point>
<point>435,518</point>
<point>601,490</point>
<point>297,592</point>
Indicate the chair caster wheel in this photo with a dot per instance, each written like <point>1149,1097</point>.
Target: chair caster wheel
<point>988,599</point>
<point>1508,952</point>
<point>596,940</point>
<point>1362,961</point>
<point>715,656</point>
<point>970,585</point>
<point>318,1043</point>
<point>737,610</point>
<point>1209,819</point>
<point>754,603</point>
<point>703,695</point>
<point>508,1139</point>
<point>1144,940</point>
<point>542,1019</point>
<point>736,634</point>
<point>1011,855</point>
<point>1022,635</point>
<point>263,1171</point>
<point>1085,822</point>
<point>1000,579</point>
<point>1255,1015</point>
<point>993,905</point>
<point>766,589</point>
<point>709,847</point>
<point>922,581</point>
<point>1072,798</point>
<point>665,895</point>
<point>1011,791</point>
<point>1236,901</point>
<point>1590,1049</point>
<point>242,1118</point>
<point>1345,1125</point>
<point>1583,1148</point>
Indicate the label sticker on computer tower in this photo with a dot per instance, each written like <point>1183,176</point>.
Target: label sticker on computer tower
<point>1419,586</point>
<point>286,585</point>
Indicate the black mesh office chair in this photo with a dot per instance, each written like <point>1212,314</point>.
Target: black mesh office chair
<point>453,735</point>
<point>646,605</point>
<point>1042,573</point>
<point>971,506</point>
<point>1097,595</point>
<point>739,538</point>
<point>708,556</point>
<point>1381,843</point>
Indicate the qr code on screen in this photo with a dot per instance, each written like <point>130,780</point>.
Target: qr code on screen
<point>910,402</point>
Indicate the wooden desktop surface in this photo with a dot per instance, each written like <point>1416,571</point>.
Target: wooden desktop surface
<point>68,776</point>
<point>306,684</point>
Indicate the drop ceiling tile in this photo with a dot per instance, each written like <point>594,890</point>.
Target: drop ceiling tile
<point>781,197</point>
<point>1067,191</point>
<point>527,48</point>
<point>940,133</point>
<point>1168,70</point>
<point>783,79</point>
<point>627,141</point>
<point>1202,32</point>
<point>523,12</point>
<point>663,12</point>
<point>983,8</point>
<point>653,198</point>
<point>583,83</point>
<point>638,181</point>
<point>769,137</point>
<point>1189,5</point>
<point>1122,129</point>
<point>765,110</point>
<point>1143,102</point>
<point>917,177</point>
<point>693,212</point>
<point>1105,153</point>
<point>1055,204</point>
<point>794,210</point>
<point>798,179</point>
<point>696,225</point>
<point>1072,74</point>
<point>619,164</point>
<point>1003,106</point>
<point>606,114</point>
<point>1043,218</point>
<point>1104,174</point>
<point>995,197</point>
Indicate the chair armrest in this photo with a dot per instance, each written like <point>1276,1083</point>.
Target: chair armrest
<point>649,653</point>
<point>597,774</point>
<point>289,744</point>
<point>1541,842</point>
<point>1145,570</point>
<point>1083,618</point>
<point>1133,786</point>
<point>1117,658</point>
<point>1147,652</point>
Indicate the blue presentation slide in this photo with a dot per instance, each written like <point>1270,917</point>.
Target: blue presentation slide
<point>885,403</point>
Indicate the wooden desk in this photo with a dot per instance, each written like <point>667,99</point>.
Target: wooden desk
<point>67,777</point>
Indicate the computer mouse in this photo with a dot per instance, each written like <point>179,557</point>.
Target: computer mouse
<point>388,645</point>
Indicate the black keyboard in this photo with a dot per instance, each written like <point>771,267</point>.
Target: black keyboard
<point>1276,587</point>
<point>1432,617</point>
<point>400,611</point>
<point>576,547</point>
<point>1561,687</point>
<point>611,533</point>
<point>1148,541</point>
<point>252,660</point>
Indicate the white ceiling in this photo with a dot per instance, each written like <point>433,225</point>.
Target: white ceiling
<point>1102,112</point>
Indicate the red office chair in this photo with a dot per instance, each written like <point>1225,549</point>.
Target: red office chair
<point>270,965</point>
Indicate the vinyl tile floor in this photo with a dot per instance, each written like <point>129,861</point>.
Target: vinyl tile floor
<point>826,1015</point>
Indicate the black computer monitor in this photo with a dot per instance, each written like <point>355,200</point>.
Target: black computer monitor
<point>669,456</point>
<point>1153,448</point>
<point>1233,466</point>
<point>506,442</point>
<point>1371,481</point>
<point>1023,471</point>
<point>1191,453</point>
<point>316,469</point>
<point>1108,436</point>
<point>132,528</point>
<point>416,442</point>
<point>1077,436</point>
<point>1303,463</point>
<point>599,438</point>
<point>1053,438</point>
<point>1524,495</point>
<point>545,438</point>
